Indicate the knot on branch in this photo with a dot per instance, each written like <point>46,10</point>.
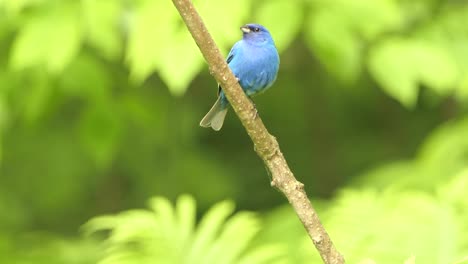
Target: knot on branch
<point>317,239</point>
<point>267,147</point>
<point>299,185</point>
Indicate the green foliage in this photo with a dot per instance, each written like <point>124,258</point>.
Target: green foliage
<point>96,115</point>
<point>50,38</point>
<point>41,248</point>
<point>400,66</point>
<point>391,216</point>
<point>396,40</point>
<point>440,158</point>
<point>346,34</point>
<point>285,30</point>
<point>168,235</point>
<point>388,226</point>
<point>101,20</point>
<point>338,32</point>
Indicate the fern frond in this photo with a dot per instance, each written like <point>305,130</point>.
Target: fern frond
<point>167,234</point>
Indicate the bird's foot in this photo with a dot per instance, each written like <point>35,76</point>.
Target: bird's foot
<point>254,109</point>
<point>256,113</point>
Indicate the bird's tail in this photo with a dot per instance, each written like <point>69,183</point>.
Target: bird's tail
<point>215,117</point>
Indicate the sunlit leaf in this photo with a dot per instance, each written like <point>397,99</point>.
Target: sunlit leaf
<point>4,115</point>
<point>400,66</point>
<point>284,31</point>
<point>411,260</point>
<point>444,153</point>
<point>463,89</point>
<point>455,190</point>
<point>209,227</point>
<point>145,40</point>
<point>338,30</point>
<point>367,261</point>
<point>369,18</point>
<point>186,209</point>
<point>102,19</point>
<point>37,97</point>
<point>15,6</point>
<point>51,39</point>
<point>335,45</point>
<point>462,261</point>
<point>225,31</point>
<point>392,65</point>
<point>387,227</point>
<point>436,68</point>
<point>180,62</point>
<point>141,236</point>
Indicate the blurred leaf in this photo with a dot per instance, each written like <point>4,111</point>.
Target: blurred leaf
<point>387,227</point>
<point>463,90</point>
<point>42,248</point>
<point>225,31</point>
<point>283,30</point>
<point>369,18</point>
<point>281,227</point>
<point>401,65</point>
<point>447,31</point>
<point>411,260</point>
<point>335,45</point>
<point>3,119</point>
<point>168,49</point>
<point>102,19</point>
<point>100,131</point>
<point>16,6</point>
<point>454,192</point>
<point>186,212</point>
<point>395,174</point>
<point>462,261</point>
<point>156,236</point>
<point>180,62</point>
<point>338,31</point>
<point>95,78</point>
<point>37,97</point>
<point>393,67</point>
<point>436,69</point>
<point>444,153</point>
<point>145,44</point>
<point>442,156</point>
<point>17,216</point>
<point>367,261</point>
<point>51,39</point>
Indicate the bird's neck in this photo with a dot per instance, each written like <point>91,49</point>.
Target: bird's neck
<point>257,42</point>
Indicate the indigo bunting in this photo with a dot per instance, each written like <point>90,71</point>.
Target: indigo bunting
<point>254,61</point>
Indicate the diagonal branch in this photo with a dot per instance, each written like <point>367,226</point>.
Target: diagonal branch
<point>265,144</point>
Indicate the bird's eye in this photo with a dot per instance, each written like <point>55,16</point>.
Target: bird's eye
<point>256,29</point>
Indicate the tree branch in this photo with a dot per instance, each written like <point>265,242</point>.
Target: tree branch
<point>265,144</point>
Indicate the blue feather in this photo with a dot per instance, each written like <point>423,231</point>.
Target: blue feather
<point>254,60</point>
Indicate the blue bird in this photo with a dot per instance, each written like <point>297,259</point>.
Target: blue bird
<point>254,61</point>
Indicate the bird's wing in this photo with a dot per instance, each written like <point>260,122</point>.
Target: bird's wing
<point>230,56</point>
<point>232,53</point>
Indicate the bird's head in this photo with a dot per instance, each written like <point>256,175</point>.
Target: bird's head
<point>256,33</point>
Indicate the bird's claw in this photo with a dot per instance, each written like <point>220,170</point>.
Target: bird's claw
<point>255,114</point>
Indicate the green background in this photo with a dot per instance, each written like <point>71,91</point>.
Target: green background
<point>99,109</point>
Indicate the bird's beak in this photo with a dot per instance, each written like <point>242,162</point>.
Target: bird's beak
<point>245,29</point>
